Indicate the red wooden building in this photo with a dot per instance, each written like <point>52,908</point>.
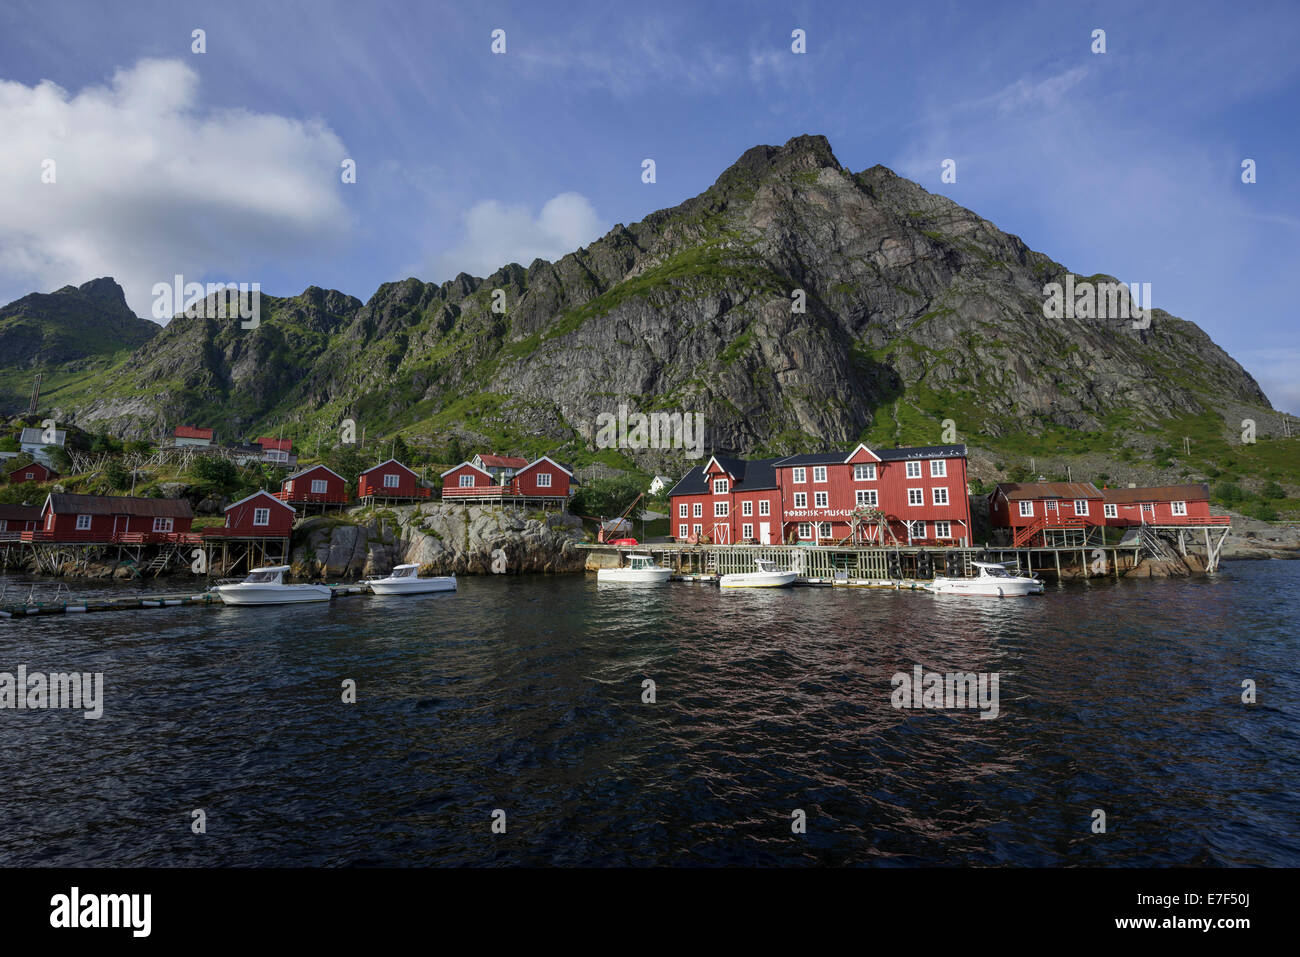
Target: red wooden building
<point>919,494</point>
<point>31,472</point>
<point>317,485</point>
<point>113,519</point>
<point>468,481</point>
<point>543,478</point>
<point>1160,505</point>
<point>1030,509</point>
<point>390,480</point>
<point>260,515</point>
<point>16,519</point>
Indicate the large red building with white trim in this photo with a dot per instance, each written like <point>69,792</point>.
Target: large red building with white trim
<point>920,493</point>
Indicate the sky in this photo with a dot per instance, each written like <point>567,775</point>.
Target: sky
<point>228,165</point>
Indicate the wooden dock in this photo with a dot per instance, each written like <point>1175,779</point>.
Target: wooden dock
<point>61,604</point>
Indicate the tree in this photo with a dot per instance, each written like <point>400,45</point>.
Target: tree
<point>1272,491</point>
<point>219,471</point>
<point>608,497</point>
<point>116,476</point>
<point>60,460</point>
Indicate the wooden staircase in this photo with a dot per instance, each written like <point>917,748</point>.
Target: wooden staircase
<point>1031,534</point>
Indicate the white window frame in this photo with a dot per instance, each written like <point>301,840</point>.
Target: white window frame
<point>805,530</point>
<point>1080,506</point>
<point>764,507</point>
<point>800,475</point>
<point>747,531</point>
<point>261,516</point>
<point>915,497</point>
<point>825,530</point>
<point>864,473</point>
<point>392,480</point>
<point>1110,511</point>
<point>543,479</point>
<point>1178,508</point>
<point>720,509</point>
<point>940,492</point>
<point>466,481</point>
<point>83,523</point>
<point>697,529</point>
<point>912,527</point>
<point>868,497</point>
<point>719,486</point>
<point>913,469</point>
<point>821,500</point>
<point>684,510</point>
<point>683,530</point>
<point>746,508</point>
<point>819,473</point>
<point>800,499</point>
<point>1026,504</point>
<point>319,486</point>
<point>697,510</point>
<point>938,468</point>
<point>162,524</point>
<point>943,529</point>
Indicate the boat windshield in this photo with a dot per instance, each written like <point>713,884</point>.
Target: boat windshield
<point>638,561</point>
<point>997,571</point>
<point>763,564</point>
<point>261,578</point>
<point>404,572</point>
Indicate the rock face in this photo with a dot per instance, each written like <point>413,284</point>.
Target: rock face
<point>73,323</point>
<point>794,304</point>
<point>442,539</point>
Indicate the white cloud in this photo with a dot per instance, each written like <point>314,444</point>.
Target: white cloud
<point>149,185</point>
<point>497,234</point>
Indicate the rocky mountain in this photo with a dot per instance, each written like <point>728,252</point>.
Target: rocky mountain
<point>75,322</point>
<point>915,310</point>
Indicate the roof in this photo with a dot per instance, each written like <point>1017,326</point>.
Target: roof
<point>255,495</point>
<point>547,458</point>
<point>387,462</point>
<point>750,475</point>
<point>35,463</point>
<point>920,452</point>
<point>457,468</point>
<point>280,445</point>
<point>192,432</point>
<point>502,461</point>
<point>65,504</point>
<point>313,468</point>
<point>34,437</point>
<point>1157,493</point>
<point>20,513</point>
<point>1016,491</point>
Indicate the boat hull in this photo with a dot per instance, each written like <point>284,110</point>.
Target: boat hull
<point>412,586</point>
<point>758,579</point>
<point>641,576</point>
<point>986,587</point>
<point>272,594</point>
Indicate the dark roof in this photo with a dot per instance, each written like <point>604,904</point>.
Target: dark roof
<point>1015,491</point>
<point>20,513</point>
<point>749,475</point>
<point>120,505</point>
<point>1157,493</point>
<point>813,458</point>
<point>919,452</point>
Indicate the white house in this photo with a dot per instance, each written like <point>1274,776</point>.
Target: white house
<point>33,442</point>
<point>659,483</point>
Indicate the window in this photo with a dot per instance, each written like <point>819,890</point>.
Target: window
<point>4,525</point>
<point>819,473</point>
<point>746,508</point>
<point>800,499</point>
<point>820,499</point>
<point>1112,511</point>
<point>683,510</point>
<point>319,486</point>
<point>867,496</point>
<point>1080,506</point>
<point>938,468</point>
<point>682,529</point>
<point>765,507</point>
<point>917,530</point>
<point>162,524</point>
<point>805,530</point>
<point>916,496</point>
<point>30,475</point>
<point>940,496</point>
<point>720,486</point>
<point>543,479</point>
<point>943,530</point>
<point>697,510</point>
<point>392,480</point>
<point>1026,509</point>
<point>261,516</point>
<point>1179,508</point>
<point>747,531</point>
<point>83,523</point>
<point>824,530</point>
<point>800,475</point>
<point>467,481</point>
<point>696,529</point>
<point>864,473</point>
<point>720,509</point>
<point>913,469</point>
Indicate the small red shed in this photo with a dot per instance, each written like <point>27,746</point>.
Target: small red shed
<point>543,478</point>
<point>390,480</point>
<point>467,481</point>
<point>1159,505</point>
<point>317,485</point>
<point>31,472</point>
<point>260,515</point>
<point>15,519</point>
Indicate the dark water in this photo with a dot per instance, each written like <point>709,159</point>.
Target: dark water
<point>524,694</point>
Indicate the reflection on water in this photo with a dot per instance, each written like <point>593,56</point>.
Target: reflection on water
<point>525,694</point>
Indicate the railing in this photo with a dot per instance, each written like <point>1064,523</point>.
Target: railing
<point>366,490</point>
<point>1027,533</point>
<point>497,491</point>
<point>257,532</point>
<point>313,498</point>
<point>112,538</point>
<point>1188,520</point>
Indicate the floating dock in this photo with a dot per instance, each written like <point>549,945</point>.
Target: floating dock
<point>60,604</point>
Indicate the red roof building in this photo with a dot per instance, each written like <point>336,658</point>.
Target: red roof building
<point>192,435</point>
<point>501,467</point>
<point>1160,505</point>
<point>1037,511</point>
<point>31,472</point>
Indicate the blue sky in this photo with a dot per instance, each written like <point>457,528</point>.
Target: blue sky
<point>225,165</point>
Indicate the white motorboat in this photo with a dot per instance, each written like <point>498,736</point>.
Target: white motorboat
<point>993,581</point>
<point>406,580</point>
<point>767,576</point>
<point>639,569</point>
<point>265,586</point>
